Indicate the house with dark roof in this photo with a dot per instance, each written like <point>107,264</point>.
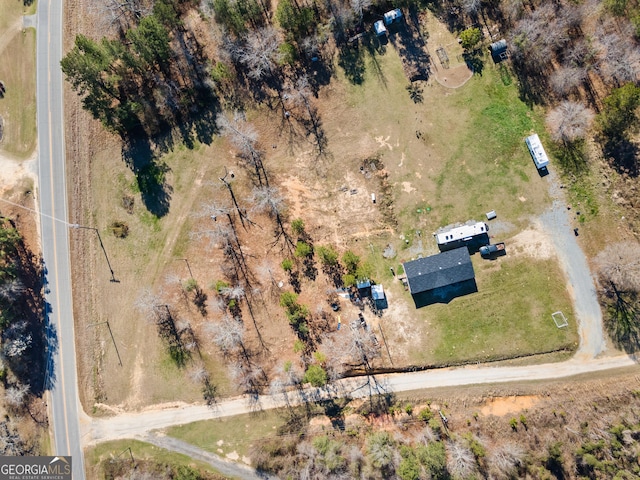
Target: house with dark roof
<point>440,278</point>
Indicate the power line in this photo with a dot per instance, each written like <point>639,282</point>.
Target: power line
<point>35,211</point>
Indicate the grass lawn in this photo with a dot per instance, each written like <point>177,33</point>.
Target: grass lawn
<point>231,434</point>
<point>12,10</point>
<point>18,107</point>
<point>95,456</point>
<point>470,158</point>
<point>30,9</point>
<point>509,316</point>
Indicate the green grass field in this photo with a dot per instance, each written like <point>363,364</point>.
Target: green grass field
<point>231,434</point>
<point>18,107</point>
<point>471,159</point>
<point>509,316</point>
<point>103,452</point>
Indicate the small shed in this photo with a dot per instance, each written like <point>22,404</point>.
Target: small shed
<point>393,16</point>
<point>364,288</point>
<point>379,28</point>
<point>378,296</point>
<point>498,50</point>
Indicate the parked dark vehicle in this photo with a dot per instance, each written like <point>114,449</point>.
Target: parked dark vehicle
<point>487,251</point>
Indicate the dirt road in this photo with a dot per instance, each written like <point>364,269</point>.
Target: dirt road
<point>225,467</point>
<point>135,425</point>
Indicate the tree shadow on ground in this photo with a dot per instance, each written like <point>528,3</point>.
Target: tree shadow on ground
<point>188,120</point>
<point>623,320</point>
<point>411,48</point>
<point>571,157</point>
<point>622,155</point>
<point>533,82</point>
<point>474,62</point>
<point>351,60</point>
<point>27,316</point>
<point>142,151</point>
<point>333,409</point>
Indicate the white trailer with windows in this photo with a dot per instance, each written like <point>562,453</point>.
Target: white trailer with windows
<point>537,151</point>
<point>453,237</point>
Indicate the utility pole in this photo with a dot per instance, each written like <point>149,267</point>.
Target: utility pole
<point>78,226</point>
<point>112,337</point>
<point>128,449</point>
<point>188,267</point>
<point>233,197</point>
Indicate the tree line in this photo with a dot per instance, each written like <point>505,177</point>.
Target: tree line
<point>147,78</point>
<point>24,345</point>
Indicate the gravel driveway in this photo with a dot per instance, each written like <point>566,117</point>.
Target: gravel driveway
<point>559,222</point>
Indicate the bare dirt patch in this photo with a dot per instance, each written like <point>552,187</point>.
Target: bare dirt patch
<point>532,242</point>
<point>500,406</point>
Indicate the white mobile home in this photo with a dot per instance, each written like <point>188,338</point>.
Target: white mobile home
<point>455,237</point>
<point>537,151</point>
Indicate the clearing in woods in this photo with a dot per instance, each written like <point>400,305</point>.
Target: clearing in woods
<point>433,163</point>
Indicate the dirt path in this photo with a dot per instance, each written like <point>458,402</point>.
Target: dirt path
<point>225,467</point>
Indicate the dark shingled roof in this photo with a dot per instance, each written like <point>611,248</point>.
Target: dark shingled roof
<point>439,270</point>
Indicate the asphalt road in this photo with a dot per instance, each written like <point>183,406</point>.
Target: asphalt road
<point>63,400</point>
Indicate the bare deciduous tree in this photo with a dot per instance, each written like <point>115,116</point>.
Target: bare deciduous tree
<point>268,199</point>
<point>619,274</point>
<point>470,6</point>
<point>565,80</point>
<point>359,7</point>
<point>12,289</point>
<point>354,348</point>
<point>248,376</point>
<point>619,59</point>
<point>505,459</point>
<point>10,441</point>
<point>227,334</point>
<point>16,395</point>
<point>619,264</point>
<point>461,462</point>
<point>147,303</point>
<point>235,292</point>
<point>199,374</point>
<point>259,52</point>
<point>569,121</point>
<point>120,14</point>
<point>244,137</point>
<point>536,36</point>
<point>16,339</point>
